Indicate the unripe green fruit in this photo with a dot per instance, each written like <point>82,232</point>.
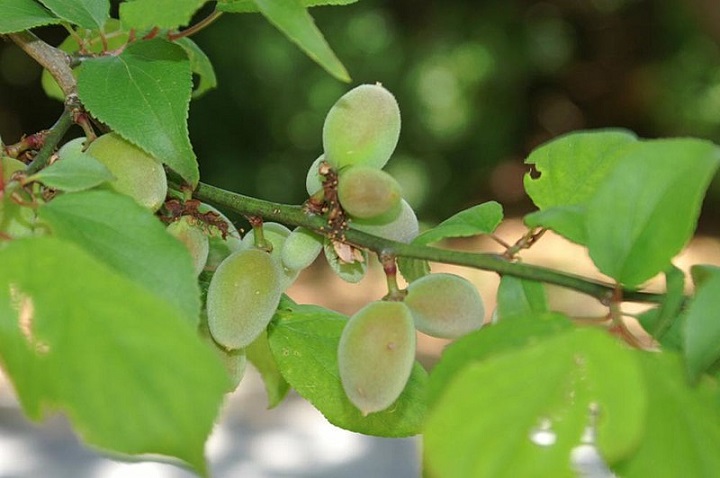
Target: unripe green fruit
<point>376,355</point>
<point>275,234</point>
<point>403,227</point>
<point>234,361</point>
<point>349,271</point>
<point>138,174</point>
<point>366,192</point>
<point>445,305</point>
<point>194,238</point>
<point>10,166</point>
<point>314,180</point>
<point>242,297</point>
<point>362,128</point>
<point>300,249</point>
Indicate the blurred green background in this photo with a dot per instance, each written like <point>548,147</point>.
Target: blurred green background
<point>479,83</point>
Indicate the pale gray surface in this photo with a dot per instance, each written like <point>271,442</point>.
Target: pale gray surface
<point>293,440</point>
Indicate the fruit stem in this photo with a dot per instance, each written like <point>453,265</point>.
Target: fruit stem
<point>53,137</point>
<point>297,216</point>
<point>390,268</point>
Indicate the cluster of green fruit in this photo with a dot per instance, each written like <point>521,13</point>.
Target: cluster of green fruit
<point>245,277</point>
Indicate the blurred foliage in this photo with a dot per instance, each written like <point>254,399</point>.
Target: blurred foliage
<point>479,84</point>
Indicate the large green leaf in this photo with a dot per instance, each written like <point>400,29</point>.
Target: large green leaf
<point>126,368</point>
<point>504,336</point>
<point>647,208</point>
<point>523,412</point>
<point>683,425</point>
<point>19,15</point>
<point>702,327</point>
<point>249,6</point>
<point>481,219</point>
<point>572,166</point>
<point>144,95</point>
<point>293,19</point>
<point>128,238</point>
<point>164,14</point>
<point>304,341</point>
<point>90,14</point>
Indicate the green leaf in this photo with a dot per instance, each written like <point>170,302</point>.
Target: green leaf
<point>260,355</point>
<point>164,14</point>
<point>683,424</point>
<point>129,372</point>
<point>544,391</point>
<point>76,172</point>
<point>127,237</point>
<point>90,14</point>
<point>572,166</point>
<point>481,219</point>
<point>293,19</point>
<point>666,318</point>
<point>114,37</point>
<point>200,65</point>
<point>249,6</point>
<point>304,341</point>
<point>568,221</point>
<point>19,15</point>
<point>519,297</point>
<point>144,95</point>
<point>647,208</point>
<point>702,327</point>
<point>504,336</point>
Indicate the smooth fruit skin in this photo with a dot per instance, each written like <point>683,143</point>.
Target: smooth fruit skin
<point>313,180</point>
<point>445,305</point>
<point>402,227</point>
<point>138,174</point>
<point>301,248</point>
<point>362,128</point>
<point>194,239</point>
<point>366,192</point>
<point>242,297</point>
<point>376,355</point>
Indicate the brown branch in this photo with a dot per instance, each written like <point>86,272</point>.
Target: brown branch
<point>53,60</point>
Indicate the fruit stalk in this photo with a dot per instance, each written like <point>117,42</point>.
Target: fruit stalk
<point>296,216</point>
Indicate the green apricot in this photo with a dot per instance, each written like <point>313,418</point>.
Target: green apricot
<point>376,355</point>
<point>365,192</point>
<point>362,128</point>
<point>401,225</point>
<point>276,234</point>
<point>445,305</point>
<point>138,174</point>
<point>314,180</point>
<point>242,297</point>
<point>300,249</point>
<point>192,235</point>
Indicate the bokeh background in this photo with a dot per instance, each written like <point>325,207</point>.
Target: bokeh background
<point>480,84</point>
